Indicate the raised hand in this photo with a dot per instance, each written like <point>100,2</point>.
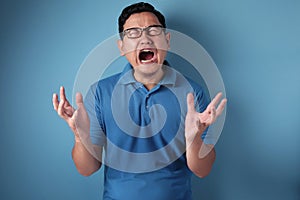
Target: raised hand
<point>87,157</point>
<point>197,122</point>
<point>78,119</point>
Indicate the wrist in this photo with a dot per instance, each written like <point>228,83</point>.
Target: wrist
<point>77,137</point>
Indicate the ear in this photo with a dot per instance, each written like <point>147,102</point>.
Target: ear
<point>120,46</point>
<point>168,37</point>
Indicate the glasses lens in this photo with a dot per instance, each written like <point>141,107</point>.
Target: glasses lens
<point>137,32</point>
<point>155,30</point>
<point>133,32</point>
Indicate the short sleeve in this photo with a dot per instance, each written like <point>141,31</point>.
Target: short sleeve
<point>92,106</point>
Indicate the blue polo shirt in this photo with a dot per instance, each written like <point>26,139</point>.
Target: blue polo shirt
<point>142,134</point>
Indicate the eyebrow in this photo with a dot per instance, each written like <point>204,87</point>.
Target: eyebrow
<point>154,25</point>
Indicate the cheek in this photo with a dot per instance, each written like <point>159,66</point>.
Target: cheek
<point>162,45</point>
<point>129,48</point>
<point>130,53</point>
<point>161,55</point>
<point>131,56</point>
<point>162,48</point>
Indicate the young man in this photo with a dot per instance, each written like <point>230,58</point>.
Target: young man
<point>137,124</point>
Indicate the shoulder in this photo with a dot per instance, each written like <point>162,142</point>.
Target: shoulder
<point>102,88</point>
<point>198,89</point>
<point>111,80</point>
<point>201,98</point>
<point>182,78</point>
<point>106,84</point>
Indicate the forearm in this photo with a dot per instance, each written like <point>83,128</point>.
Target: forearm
<point>85,163</point>
<point>200,157</point>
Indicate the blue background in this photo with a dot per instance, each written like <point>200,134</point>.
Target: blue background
<point>255,44</point>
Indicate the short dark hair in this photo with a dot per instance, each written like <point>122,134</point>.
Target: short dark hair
<point>138,8</point>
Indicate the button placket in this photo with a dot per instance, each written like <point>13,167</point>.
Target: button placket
<point>147,101</point>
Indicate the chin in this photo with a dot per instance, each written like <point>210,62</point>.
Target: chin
<point>149,68</point>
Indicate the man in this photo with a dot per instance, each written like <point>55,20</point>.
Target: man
<point>145,82</point>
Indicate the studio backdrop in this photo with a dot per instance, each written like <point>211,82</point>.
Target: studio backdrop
<point>254,44</point>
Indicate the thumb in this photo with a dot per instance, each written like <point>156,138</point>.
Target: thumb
<point>79,100</point>
<point>190,102</point>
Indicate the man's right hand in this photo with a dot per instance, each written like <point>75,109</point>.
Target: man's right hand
<point>87,157</point>
<point>78,119</point>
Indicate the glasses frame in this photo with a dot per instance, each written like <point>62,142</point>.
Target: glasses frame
<point>125,32</point>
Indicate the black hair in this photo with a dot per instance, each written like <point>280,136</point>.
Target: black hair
<point>138,8</point>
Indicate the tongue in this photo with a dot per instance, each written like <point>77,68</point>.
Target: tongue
<point>146,55</point>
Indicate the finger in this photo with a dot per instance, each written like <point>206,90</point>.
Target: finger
<point>62,94</point>
<point>213,115</point>
<point>64,98</point>
<point>61,105</point>
<point>216,100</point>
<point>60,109</point>
<point>190,102</point>
<point>55,101</point>
<point>221,107</point>
<point>79,99</point>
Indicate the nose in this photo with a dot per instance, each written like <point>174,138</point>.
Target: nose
<point>145,38</point>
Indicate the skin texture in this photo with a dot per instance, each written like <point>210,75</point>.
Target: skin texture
<point>200,156</point>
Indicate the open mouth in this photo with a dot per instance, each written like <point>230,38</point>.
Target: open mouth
<point>146,56</point>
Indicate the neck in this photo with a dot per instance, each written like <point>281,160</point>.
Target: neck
<point>149,80</point>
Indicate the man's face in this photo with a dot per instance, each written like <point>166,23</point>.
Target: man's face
<point>146,53</point>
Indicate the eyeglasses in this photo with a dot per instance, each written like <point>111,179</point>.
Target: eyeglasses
<point>134,33</point>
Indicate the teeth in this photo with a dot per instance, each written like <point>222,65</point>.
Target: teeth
<point>146,61</point>
<point>146,50</point>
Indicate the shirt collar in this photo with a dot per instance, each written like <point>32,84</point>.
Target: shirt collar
<point>168,79</point>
